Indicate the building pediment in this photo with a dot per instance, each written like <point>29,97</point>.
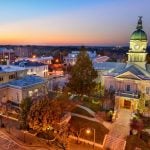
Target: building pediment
<point>128,75</point>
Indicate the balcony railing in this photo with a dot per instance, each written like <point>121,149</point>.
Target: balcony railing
<point>128,94</point>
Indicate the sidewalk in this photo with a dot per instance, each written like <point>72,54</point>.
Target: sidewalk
<point>81,146</point>
<point>26,141</point>
<point>116,138</point>
<point>121,127</point>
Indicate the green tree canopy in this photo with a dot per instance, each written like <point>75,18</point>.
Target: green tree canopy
<point>24,110</point>
<point>46,113</point>
<point>82,75</point>
<point>141,103</point>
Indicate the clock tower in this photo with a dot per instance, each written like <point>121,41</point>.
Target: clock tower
<point>138,45</point>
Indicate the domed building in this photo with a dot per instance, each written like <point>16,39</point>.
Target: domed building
<point>139,35</point>
<point>138,45</point>
<point>130,81</point>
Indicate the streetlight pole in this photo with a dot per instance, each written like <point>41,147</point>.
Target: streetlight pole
<point>48,134</point>
<point>88,131</point>
<point>94,137</point>
<point>24,136</point>
<point>79,134</point>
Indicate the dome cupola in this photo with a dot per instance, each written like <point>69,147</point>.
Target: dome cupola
<point>139,34</point>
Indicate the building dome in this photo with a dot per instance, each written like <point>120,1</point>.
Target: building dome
<point>138,35</point>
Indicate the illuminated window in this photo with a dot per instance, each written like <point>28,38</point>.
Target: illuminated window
<point>11,76</point>
<point>30,93</point>
<point>36,90</point>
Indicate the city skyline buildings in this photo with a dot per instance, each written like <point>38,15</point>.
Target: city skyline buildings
<point>75,22</point>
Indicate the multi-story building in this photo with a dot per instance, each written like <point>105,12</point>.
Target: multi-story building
<point>23,51</point>
<point>6,54</point>
<point>34,68</point>
<point>71,58</point>
<point>9,73</point>
<point>131,80</point>
<point>44,60</point>
<point>16,85</point>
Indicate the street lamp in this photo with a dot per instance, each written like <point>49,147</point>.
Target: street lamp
<point>48,129</point>
<point>78,135</point>
<point>88,131</point>
<point>24,136</point>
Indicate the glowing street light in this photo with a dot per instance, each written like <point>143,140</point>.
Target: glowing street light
<point>57,60</point>
<point>24,140</point>
<point>48,128</point>
<point>34,56</point>
<point>88,131</point>
<point>48,131</point>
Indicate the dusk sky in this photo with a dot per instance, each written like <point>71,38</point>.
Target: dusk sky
<point>71,22</point>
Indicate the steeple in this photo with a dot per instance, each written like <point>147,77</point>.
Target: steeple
<point>139,24</point>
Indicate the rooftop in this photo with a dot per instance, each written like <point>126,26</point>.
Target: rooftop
<point>109,66</point>
<point>40,58</point>
<point>26,81</point>
<point>28,63</point>
<point>3,49</point>
<point>10,68</point>
<point>116,69</point>
<point>36,58</point>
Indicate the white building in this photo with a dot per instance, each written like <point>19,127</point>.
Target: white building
<point>16,85</point>
<point>9,73</point>
<point>129,80</point>
<point>44,60</point>
<point>34,68</point>
<point>71,58</point>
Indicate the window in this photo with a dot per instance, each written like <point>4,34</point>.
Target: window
<point>128,88</point>
<point>36,90</point>
<point>147,103</point>
<point>11,76</point>
<point>1,78</point>
<point>147,90</point>
<point>30,93</point>
<point>111,86</point>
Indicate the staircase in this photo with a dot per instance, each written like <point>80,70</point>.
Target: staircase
<point>115,140</point>
<point>113,143</point>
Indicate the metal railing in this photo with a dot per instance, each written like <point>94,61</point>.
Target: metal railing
<point>129,94</point>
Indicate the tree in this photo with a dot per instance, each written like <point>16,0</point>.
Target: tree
<point>99,89</point>
<point>24,110</point>
<point>141,103</point>
<point>46,113</point>
<point>82,75</point>
<point>137,124</point>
